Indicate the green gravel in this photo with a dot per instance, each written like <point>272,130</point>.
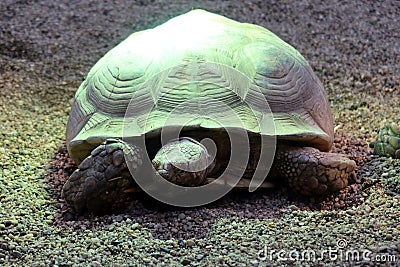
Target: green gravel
<point>46,49</point>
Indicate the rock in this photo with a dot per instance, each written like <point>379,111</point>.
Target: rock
<point>181,243</point>
<point>185,262</point>
<point>29,236</point>
<point>135,226</point>
<point>350,212</point>
<point>190,243</point>
<point>47,233</point>
<point>199,257</point>
<point>166,250</point>
<point>146,260</point>
<point>129,231</point>
<point>118,218</point>
<point>116,242</point>
<point>16,254</point>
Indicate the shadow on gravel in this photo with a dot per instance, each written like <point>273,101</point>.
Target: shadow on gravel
<point>386,172</point>
<point>167,222</point>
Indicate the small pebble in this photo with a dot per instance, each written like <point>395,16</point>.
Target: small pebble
<point>28,236</point>
<point>199,257</point>
<point>47,233</point>
<point>166,250</point>
<point>135,226</point>
<point>181,243</point>
<point>116,242</point>
<point>118,218</point>
<point>129,231</point>
<point>350,212</point>
<point>185,262</point>
<point>16,254</point>
<point>190,243</point>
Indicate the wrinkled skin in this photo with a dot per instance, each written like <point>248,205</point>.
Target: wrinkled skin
<point>103,176</point>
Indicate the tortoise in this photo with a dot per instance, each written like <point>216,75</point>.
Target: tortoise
<point>228,68</point>
<point>388,141</point>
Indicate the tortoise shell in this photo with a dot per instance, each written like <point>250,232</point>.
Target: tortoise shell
<point>198,66</point>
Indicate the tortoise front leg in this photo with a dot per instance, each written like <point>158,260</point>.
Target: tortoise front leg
<point>102,177</point>
<point>311,172</point>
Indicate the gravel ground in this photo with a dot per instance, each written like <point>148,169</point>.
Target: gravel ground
<point>46,48</point>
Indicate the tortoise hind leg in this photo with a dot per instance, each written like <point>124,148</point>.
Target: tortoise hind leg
<point>101,178</point>
<point>311,172</point>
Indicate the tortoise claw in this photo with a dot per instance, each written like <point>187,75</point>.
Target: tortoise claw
<point>100,179</point>
<point>309,171</point>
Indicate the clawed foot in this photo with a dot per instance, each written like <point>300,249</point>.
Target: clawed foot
<point>309,171</point>
<point>388,142</point>
<point>104,176</point>
<point>101,178</point>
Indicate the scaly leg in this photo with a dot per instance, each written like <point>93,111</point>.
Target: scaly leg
<point>311,172</point>
<point>101,178</point>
